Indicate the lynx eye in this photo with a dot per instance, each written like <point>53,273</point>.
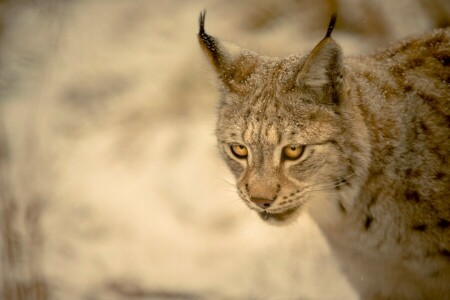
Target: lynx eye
<point>240,151</point>
<point>293,152</point>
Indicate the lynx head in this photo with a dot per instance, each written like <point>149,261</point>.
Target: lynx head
<point>282,127</point>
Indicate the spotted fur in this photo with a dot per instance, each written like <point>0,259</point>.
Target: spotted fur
<point>375,169</point>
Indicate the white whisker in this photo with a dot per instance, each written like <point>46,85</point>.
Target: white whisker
<point>228,182</point>
<point>328,187</point>
<point>332,184</point>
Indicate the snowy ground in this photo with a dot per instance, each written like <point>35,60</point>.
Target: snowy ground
<point>110,183</point>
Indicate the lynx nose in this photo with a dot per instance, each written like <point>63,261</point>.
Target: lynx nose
<point>261,202</point>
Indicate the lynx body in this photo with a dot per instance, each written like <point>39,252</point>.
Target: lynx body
<point>361,143</point>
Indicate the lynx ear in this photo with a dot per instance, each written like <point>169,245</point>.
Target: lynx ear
<point>323,67</point>
<point>232,64</point>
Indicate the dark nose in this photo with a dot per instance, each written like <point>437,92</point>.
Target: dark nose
<point>263,203</point>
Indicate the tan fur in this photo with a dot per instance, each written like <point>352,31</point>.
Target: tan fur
<point>375,171</point>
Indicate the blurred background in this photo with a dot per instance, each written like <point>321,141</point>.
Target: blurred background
<point>110,183</point>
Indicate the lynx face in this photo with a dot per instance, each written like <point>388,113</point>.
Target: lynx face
<point>281,129</point>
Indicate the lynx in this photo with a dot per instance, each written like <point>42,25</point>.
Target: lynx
<point>360,143</point>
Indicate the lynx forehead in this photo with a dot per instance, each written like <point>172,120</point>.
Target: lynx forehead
<point>362,144</point>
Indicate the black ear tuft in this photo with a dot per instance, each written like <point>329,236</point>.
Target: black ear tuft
<point>232,67</point>
<point>322,69</point>
<point>201,21</point>
<point>206,41</point>
<point>330,25</point>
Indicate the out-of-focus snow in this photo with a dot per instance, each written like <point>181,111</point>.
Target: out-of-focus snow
<point>109,173</point>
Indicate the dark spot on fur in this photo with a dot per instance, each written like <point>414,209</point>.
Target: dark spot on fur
<point>341,207</point>
<point>416,62</point>
<point>420,129</point>
<point>443,223</point>
<point>293,133</point>
<point>420,227</point>
<point>389,150</point>
<point>412,196</point>
<point>257,119</point>
<point>445,60</point>
<point>407,88</point>
<point>423,126</point>
<point>368,222</point>
<point>372,201</point>
<point>439,175</point>
<point>408,172</point>
<point>412,173</point>
<point>282,203</point>
<point>233,134</point>
<point>312,117</point>
<point>445,252</point>
<point>429,99</point>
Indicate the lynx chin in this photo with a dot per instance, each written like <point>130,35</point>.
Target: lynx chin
<point>361,143</point>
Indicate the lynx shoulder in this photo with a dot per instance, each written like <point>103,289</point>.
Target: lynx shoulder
<point>360,143</point>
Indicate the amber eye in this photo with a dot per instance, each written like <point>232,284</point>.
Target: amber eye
<point>239,151</point>
<point>293,151</point>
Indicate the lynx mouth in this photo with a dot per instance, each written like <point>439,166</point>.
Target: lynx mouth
<point>278,217</point>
